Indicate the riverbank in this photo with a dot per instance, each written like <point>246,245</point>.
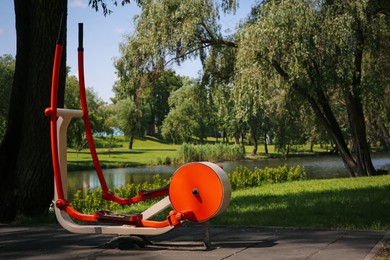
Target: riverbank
<point>151,151</point>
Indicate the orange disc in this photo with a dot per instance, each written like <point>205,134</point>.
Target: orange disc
<point>202,188</point>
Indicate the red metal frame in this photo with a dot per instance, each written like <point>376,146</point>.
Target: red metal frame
<point>173,219</point>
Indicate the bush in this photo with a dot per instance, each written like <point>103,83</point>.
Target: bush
<point>242,177</point>
<point>209,152</point>
<point>92,201</point>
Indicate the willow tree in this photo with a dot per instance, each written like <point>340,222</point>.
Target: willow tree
<point>315,48</point>
<point>168,32</point>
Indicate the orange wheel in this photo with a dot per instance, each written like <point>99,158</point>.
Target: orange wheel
<point>202,188</point>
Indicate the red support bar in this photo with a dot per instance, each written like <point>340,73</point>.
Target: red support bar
<point>173,218</point>
<point>141,196</point>
<point>84,108</point>
<point>107,194</point>
<point>52,113</point>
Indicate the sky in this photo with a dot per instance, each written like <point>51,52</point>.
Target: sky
<point>102,36</point>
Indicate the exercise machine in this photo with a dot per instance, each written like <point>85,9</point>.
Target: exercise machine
<point>197,191</point>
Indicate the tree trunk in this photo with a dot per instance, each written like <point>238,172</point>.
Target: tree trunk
<point>265,144</point>
<point>242,142</point>
<point>364,166</point>
<point>224,137</point>
<point>255,144</point>
<point>325,115</point>
<point>25,160</point>
<point>131,142</point>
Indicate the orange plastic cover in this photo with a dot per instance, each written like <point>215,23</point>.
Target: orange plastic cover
<point>200,188</point>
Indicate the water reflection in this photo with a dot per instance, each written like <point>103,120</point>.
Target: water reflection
<point>316,168</point>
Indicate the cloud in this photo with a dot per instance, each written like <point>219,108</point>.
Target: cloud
<point>78,4</point>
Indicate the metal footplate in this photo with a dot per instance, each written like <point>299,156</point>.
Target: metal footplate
<point>110,217</point>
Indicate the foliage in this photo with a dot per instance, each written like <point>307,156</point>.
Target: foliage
<point>312,49</point>
<point>7,68</point>
<point>188,112</point>
<point>243,178</point>
<point>92,200</point>
<point>259,82</point>
<point>97,113</point>
<point>209,152</point>
<point>157,98</point>
<point>132,121</point>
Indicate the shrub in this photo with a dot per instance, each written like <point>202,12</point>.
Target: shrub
<point>242,177</point>
<point>209,152</point>
<point>92,201</point>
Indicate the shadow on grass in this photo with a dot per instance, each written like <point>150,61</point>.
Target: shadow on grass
<point>108,152</point>
<point>363,208</point>
<point>104,164</point>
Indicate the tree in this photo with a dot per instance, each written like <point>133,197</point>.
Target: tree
<point>157,98</point>
<point>131,124</point>
<point>96,110</point>
<point>376,90</point>
<point>75,134</point>
<point>25,163</point>
<point>316,48</point>
<point>188,114</point>
<point>7,69</point>
<point>313,48</point>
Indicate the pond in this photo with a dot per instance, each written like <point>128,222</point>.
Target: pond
<point>319,167</point>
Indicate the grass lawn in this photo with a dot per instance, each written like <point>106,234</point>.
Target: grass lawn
<point>152,151</point>
<point>345,203</point>
<point>149,151</point>
<point>348,203</point>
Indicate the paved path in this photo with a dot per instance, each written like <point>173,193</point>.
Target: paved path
<point>53,242</point>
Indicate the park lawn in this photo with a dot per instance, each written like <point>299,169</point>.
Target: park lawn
<point>148,151</point>
<point>152,151</point>
<point>346,203</point>
<point>343,203</point>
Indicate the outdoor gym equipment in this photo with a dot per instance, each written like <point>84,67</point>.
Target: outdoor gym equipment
<point>197,192</point>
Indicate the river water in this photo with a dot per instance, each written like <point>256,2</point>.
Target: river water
<point>319,167</point>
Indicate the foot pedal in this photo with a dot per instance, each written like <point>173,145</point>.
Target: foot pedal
<point>110,217</point>
<point>149,192</point>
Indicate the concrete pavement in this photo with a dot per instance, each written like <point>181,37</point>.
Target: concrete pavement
<point>53,242</point>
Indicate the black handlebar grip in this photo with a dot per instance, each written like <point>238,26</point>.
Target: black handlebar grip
<point>81,48</point>
<point>61,33</point>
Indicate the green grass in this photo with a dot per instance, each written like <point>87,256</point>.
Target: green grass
<point>350,203</point>
<point>345,203</point>
<point>149,151</point>
<point>358,203</point>
<point>152,151</point>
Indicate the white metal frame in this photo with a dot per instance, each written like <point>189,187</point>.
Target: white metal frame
<point>64,118</point>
